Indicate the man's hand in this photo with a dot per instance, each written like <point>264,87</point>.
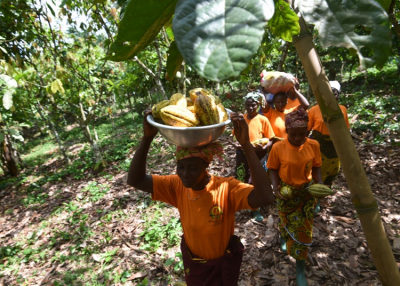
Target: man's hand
<point>148,129</point>
<point>240,128</point>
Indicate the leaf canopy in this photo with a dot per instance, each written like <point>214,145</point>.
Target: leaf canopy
<point>285,23</point>
<point>142,21</point>
<point>219,37</point>
<point>338,23</point>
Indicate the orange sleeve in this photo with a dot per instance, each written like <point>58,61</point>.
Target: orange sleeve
<point>311,118</point>
<point>317,161</point>
<point>273,158</point>
<point>346,118</point>
<point>163,189</point>
<point>268,131</point>
<point>238,193</point>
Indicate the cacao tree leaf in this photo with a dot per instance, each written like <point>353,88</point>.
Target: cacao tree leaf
<point>8,81</point>
<point>2,137</point>
<point>337,22</point>
<point>8,99</point>
<point>60,86</point>
<point>142,21</point>
<point>285,23</point>
<point>174,61</point>
<point>54,87</point>
<point>385,4</point>
<point>219,37</point>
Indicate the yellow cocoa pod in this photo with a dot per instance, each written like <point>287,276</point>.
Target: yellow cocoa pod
<point>189,101</point>
<point>262,141</point>
<point>217,99</point>
<point>320,191</point>
<point>157,108</point>
<point>178,116</point>
<point>196,91</point>
<point>191,108</point>
<point>178,99</point>
<point>286,192</point>
<point>223,115</point>
<point>206,110</point>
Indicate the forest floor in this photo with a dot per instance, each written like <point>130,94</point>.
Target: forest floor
<point>96,230</point>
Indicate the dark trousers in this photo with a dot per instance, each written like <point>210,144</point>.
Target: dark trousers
<point>223,271</point>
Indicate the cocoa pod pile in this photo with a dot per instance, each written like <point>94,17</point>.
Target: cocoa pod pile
<point>200,109</point>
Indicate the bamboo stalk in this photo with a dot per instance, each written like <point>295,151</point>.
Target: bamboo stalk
<point>361,194</point>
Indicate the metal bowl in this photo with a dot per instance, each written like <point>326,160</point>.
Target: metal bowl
<point>190,136</point>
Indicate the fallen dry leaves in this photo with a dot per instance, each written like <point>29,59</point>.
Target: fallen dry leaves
<point>339,254</point>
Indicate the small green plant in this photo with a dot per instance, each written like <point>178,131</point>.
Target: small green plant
<point>176,265</point>
<point>155,232</point>
<point>241,172</point>
<point>96,191</point>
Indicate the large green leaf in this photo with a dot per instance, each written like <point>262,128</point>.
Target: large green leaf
<point>174,61</point>
<point>285,22</point>
<point>337,23</point>
<point>142,21</point>
<point>219,37</point>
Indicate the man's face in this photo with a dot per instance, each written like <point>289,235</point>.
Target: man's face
<point>336,93</point>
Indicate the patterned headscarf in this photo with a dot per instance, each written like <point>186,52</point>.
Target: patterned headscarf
<point>257,97</point>
<point>206,152</point>
<point>297,118</point>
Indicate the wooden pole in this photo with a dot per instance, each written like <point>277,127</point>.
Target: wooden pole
<point>361,194</point>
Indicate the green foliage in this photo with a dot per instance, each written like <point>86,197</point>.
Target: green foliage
<point>222,37</point>
<point>285,23</point>
<point>156,231</point>
<point>362,26</point>
<point>241,173</point>
<point>174,61</point>
<point>177,266</point>
<point>150,17</point>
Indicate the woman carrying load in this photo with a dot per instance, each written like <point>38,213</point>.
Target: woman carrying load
<point>294,163</point>
<point>211,253</point>
<point>259,128</point>
<point>330,161</point>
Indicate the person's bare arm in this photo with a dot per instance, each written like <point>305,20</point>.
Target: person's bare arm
<point>261,195</point>
<point>276,183</point>
<point>303,101</point>
<point>316,174</point>
<point>137,176</point>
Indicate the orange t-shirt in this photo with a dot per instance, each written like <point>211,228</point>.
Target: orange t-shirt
<point>259,127</point>
<point>317,123</point>
<point>295,163</point>
<point>292,103</point>
<point>277,120</point>
<point>207,216</point>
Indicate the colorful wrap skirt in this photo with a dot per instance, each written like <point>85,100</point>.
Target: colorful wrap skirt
<point>330,161</point>
<point>296,216</point>
<point>223,271</point>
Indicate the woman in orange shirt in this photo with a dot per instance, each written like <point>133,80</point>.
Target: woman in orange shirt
<point>207,204</point>
<point>259,127</point>
<point>277,116</point>
<point>295,163</point>
<point>330,161</point>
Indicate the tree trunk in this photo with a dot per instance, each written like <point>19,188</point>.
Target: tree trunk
<point>52,127</point>
<point>9,157</point>
<point>100,163</point>
<point>361,194</point>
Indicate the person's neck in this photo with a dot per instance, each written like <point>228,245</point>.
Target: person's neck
<point>203,183</point>
<point>251,116</point>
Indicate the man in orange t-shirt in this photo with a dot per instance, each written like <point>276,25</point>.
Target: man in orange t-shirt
<point>293,163</point>
<point>211,254</point>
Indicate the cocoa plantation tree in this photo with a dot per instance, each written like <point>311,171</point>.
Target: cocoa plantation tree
<point>219,38</point>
